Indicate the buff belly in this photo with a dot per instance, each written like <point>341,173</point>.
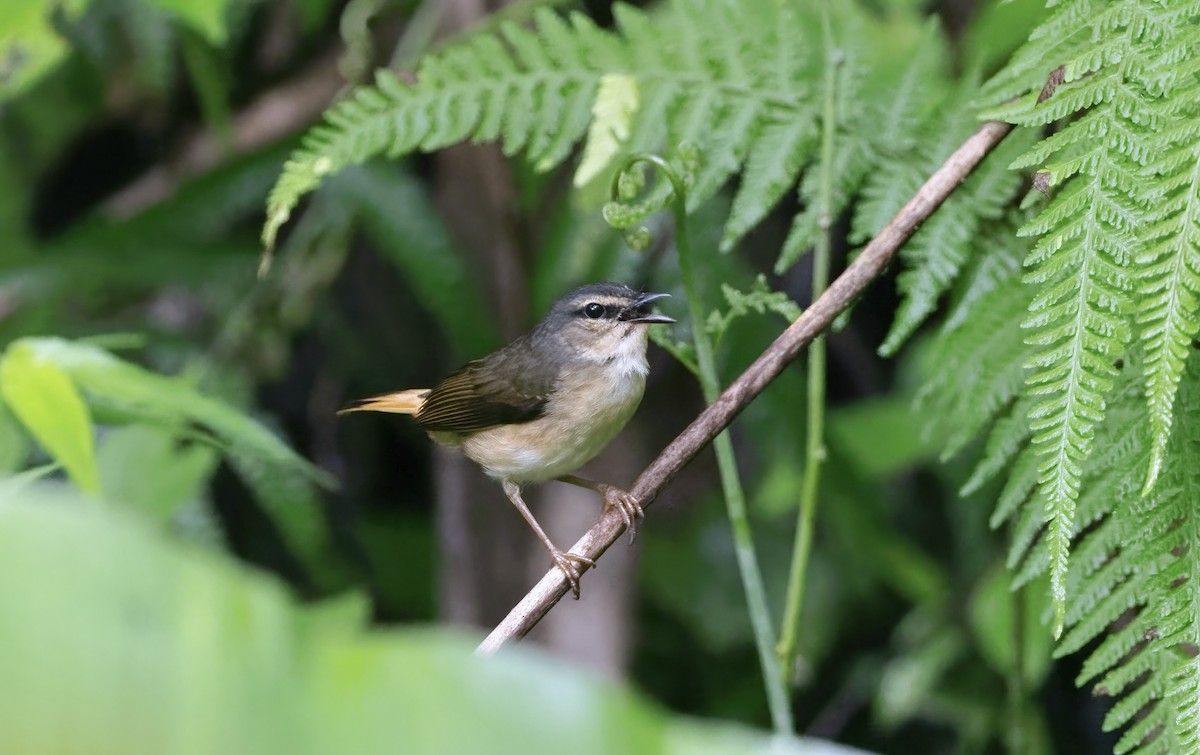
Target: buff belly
<point>583,415</point>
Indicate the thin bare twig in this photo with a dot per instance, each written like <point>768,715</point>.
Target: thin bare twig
<point>721,413</point>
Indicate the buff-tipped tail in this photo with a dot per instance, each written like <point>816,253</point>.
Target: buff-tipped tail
<point>401,402</point>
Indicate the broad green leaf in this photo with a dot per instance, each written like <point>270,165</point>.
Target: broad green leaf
<point>142,644</point>
<point>146,644</point>
<point>115,385</point>
<point>47,401</point>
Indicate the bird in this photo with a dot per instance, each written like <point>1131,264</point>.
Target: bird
<point>547,403</point>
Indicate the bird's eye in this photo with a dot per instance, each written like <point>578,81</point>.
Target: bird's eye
<point>593,311</point>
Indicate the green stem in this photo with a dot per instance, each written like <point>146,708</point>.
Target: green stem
<point>815,452</point>
<point>731,484</point>
<point>1016,675</point>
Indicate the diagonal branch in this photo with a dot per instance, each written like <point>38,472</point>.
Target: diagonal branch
<point>721,413</point>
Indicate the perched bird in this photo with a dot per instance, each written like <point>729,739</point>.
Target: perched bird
<point>548,402</point>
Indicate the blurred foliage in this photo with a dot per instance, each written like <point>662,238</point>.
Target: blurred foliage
<point>167,422</point>
<point>185,651</point>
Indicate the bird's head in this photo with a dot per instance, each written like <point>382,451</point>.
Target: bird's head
<point>603,322</point>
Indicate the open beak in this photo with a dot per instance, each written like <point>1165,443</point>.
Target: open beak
<point>639,310</point>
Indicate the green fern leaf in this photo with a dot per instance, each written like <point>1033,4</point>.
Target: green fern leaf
<point>855,153</point>
<point>901,121</point>
<point>1091,235</point>
<point>936,253</point>
<point>771,169</point>
<point>1009,435</point>
<point>983,350</point>
<point>700,80</point>
<point>1133,577</point>
<point>1169,277</point>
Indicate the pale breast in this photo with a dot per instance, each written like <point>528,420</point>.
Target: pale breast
<point>588,408</point>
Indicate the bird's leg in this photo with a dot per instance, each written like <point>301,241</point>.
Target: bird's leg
<point>625,504</point>
<point>568,563</point>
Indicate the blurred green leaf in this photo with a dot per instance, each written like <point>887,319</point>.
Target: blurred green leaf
<point>205,16</point>
<point>29,43</point>
<point>12,487</point>
<point>114,384</point>
<point>994,611</point>
<point>348,613</point>
<point>879,437</point>
<point>778,487</point>
<point>910,679</point>
<point>48,403</point>
<point>14,444</point>
<point>145,644</point>
<point>153,471</point>
<point>398,215</point>
<point>294,508</point>
<point>312,12</point>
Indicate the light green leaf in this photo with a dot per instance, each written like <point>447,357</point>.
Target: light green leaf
<point>29,44</point>
<point>47,402</point>
<point>613,111</point>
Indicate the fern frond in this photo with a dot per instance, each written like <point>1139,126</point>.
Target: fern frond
<point>1168,282</point>
<point>771,168</point>
<point>531,89</point>
<point>1092,235</point>
<point>1021,482</point>
<point>1009,435</point>
<point>904,111</point>
<point>1180,611</point>
<point>1138,587</point>
<point>1079,319</point>
<point>728,80</point>
<point>936,253</point>
<point>1107,474</point>
<point>985,353</point>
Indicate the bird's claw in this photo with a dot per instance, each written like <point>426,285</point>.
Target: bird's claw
<point>626,505</point>
<point>569,564</point>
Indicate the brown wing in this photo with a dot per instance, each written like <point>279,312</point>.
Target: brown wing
<point>492,391</point>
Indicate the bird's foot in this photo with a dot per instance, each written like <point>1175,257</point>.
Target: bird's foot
<point>625,504</point>
<point>572,566</point>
